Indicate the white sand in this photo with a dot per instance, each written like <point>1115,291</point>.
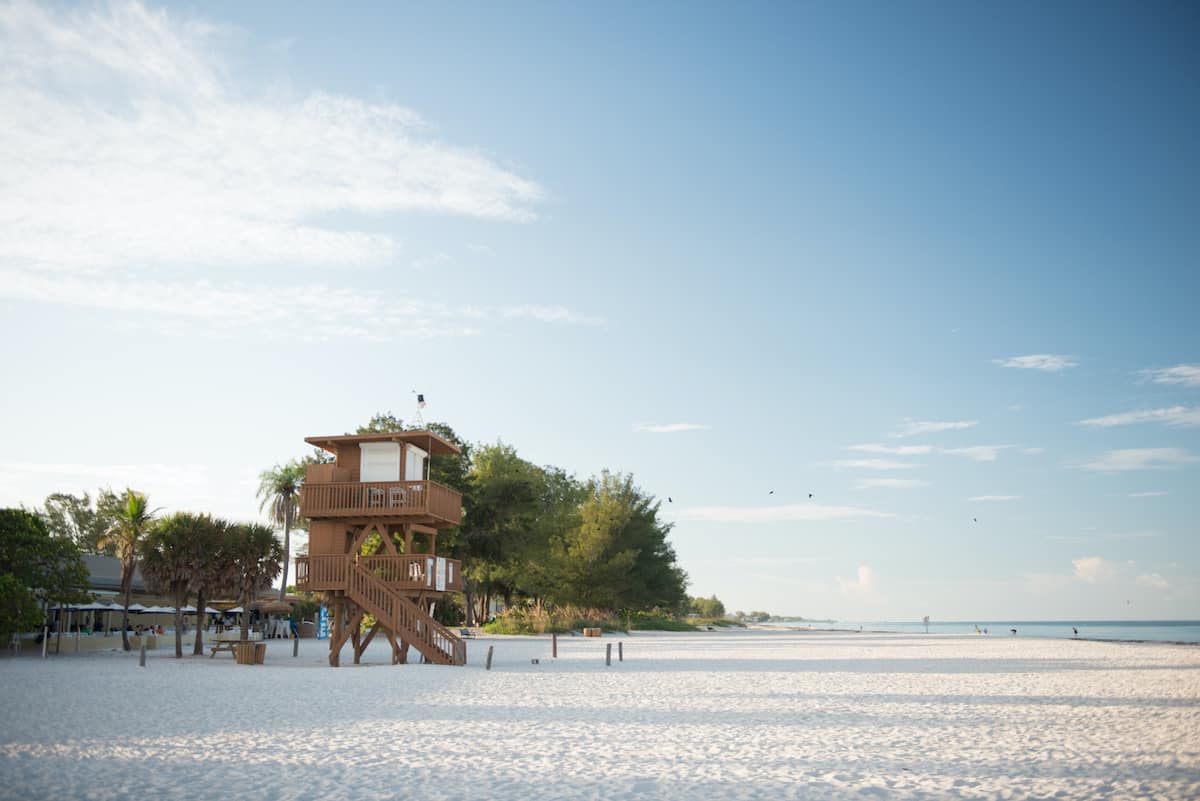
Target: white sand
<point>687,716</point>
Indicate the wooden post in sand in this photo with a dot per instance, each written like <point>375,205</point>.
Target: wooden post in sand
<point>608,654</point>
<point>142,653</point>
<point>45,639</point>
<point>554,645</point>
<point>620,652</point>
<point>488,665</point>
<point>295,647</point>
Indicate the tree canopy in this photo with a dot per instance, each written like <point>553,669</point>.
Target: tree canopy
<point>35,566</point>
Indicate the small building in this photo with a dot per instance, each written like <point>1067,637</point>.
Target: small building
<point>374,518</point>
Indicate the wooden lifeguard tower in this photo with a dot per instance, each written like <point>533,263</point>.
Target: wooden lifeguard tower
<point>379,484</point>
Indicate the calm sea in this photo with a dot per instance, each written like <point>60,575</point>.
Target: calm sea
<point>1151,630</point>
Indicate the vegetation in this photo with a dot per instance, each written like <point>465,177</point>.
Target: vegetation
<point>131,521</point>
<point>279,489</point>
<point>35,569</point>
<point>254,556</point>
<point>174,555</point>
<point>706,607</point>
<point>77,518</point>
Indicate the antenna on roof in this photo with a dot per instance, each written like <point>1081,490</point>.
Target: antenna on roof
<point>420,406</point>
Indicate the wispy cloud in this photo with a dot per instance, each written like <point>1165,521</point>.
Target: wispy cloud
<point>899,450</point>
<point>1050,362</point>
<point>1109,536</point>
<point>1171,416</point>
<point>552,314</point>
<point>995,498</point>
<point>1148,494</point>
<point>1153,580</point>
<point>873,464</point>
<point>912,428</point>
<point>1187,375</point>
<point>1141,459</point>
<point>1033,451</point>
<point>138,156</point>
<point>793,513</point>
<point>892,483</point>
<point>980,453</point>
<point>669,428</point>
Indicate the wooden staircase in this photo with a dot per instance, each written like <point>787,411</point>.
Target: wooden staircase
<point>405,619</point>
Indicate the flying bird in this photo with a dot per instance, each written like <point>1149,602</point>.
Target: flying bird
<point>810,495</point>
<point>976,519</point>
<point>772,492</point>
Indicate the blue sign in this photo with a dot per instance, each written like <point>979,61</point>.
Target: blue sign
<point>323,623</point>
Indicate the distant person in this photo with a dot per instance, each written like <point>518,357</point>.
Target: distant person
<point>1075,630</point>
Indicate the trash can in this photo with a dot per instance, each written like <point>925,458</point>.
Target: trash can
<point>246,653</point>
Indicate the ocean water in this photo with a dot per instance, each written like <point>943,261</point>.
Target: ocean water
<point>1132,630</point>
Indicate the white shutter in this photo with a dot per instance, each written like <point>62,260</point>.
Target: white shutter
<point>380,461</point>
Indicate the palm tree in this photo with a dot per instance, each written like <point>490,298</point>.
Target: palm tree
<point>214,574</point>
<point>173,553</point>
<point>279,488</point>
<point>130,522</point>
<point>254,555</point>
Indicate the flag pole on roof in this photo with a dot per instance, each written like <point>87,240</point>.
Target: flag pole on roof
<point>420,406</point>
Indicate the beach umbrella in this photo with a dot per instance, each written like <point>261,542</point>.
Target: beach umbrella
<point>208,610</point>
<point>276,607</point>
<point>189,610</point>
<point>237,610</point>
<point>134,607</point>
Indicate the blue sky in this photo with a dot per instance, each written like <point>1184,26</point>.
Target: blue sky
<point>934,265</point>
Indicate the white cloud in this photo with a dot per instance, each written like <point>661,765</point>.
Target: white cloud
<point>1038,361</point>
<point>873,464</point>
<point>1141,459</point>
<point>1153,580</point>
<point>1093,568</point>
<point>552,314</point>
<point>899,450</point>
<point>127,143</point>
<point>1148,494</point>
<point>309,312</point>
<point>995,498</point>
<point>912,428</point>
<point>891,483</point>
<point>1033,451</point>
<point>862,584</point>
<point>1172,416</point>
<point>978,453</point>
<point>669,428</point>
<point>1187,375</point>
<point>800,512</point>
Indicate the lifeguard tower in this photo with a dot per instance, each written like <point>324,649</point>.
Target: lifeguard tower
<point>379,484</point>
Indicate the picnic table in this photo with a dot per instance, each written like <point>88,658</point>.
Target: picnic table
<point>230,642</point>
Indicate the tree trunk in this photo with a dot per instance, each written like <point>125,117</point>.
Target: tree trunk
<point>127,590</point>
<point>201,605</point>
<point>469,601</point>
<point>287,544</point>
<point>245,634</point>
<point>179,604</point>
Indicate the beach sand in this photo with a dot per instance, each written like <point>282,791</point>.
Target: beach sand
<point>713,715</point>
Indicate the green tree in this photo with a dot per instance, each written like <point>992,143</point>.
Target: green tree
<point>131,521</point>
<point>707,607</point>
<point>35,566</point>
<point>173,553</point>
<point>254,555</point>
<point>76,518</point>
<point>214,574</point>
<point>618,557</point>
<point>279,489</point>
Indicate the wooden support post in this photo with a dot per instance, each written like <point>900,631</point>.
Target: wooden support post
<point>608,653</point>
<point>488,665</point>
<point>142,653</point>
<point>620,652</point>
<point>295,647</point>
<point>554,645</point>
<point>45,639</point>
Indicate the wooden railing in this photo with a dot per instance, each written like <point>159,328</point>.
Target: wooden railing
<point>321,572</point>
<point>405,618</point>
<point>417,572</point>
<point>381,499</point>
